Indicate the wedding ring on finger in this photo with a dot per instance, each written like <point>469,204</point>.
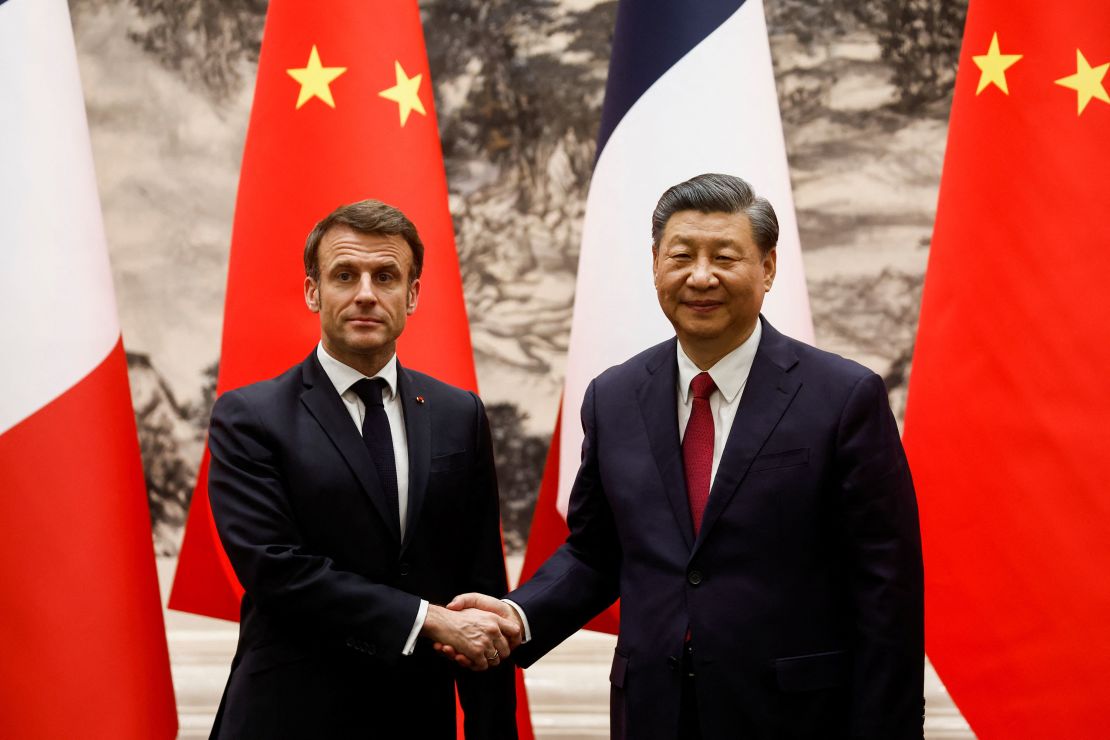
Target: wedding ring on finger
<point>494,655</point>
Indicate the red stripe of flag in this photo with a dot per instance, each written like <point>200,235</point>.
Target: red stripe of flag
<point>549,530</point>
<point>82,636</point>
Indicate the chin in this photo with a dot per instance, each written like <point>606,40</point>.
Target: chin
<point>705,330</point>
<point>364,343</point>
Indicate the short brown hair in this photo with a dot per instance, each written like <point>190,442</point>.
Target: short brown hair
<point>365,217</point>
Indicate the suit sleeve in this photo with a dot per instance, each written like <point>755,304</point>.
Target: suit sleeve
<point>582,577</point>
<point>261,538</point>
<point>883,540</point>
<point>488,698</point>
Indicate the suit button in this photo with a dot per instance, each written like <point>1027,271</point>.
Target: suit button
<point>674,662</point>
<point>403,569</point>
<point>372,650</point>
<point>694,577</point>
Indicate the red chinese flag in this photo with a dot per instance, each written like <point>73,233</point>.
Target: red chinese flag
<point>343,111</point>
<point>1009,395</point>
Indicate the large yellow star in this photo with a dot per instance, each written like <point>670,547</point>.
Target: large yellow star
<point>993,66</point>
<point>1087,81</point>
<point>315,78</point>
<point>406,93</point>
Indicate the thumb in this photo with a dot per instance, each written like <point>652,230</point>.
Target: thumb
<point>464,601</point>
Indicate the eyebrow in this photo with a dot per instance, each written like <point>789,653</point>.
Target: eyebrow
<point>373,263</point>
<point>681,238</point>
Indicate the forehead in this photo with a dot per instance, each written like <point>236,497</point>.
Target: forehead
<point>342,243</point>
<point>695,227</point>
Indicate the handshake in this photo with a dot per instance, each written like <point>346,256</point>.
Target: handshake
<point>474,630</point>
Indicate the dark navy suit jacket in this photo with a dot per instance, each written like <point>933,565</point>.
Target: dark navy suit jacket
<point>332,590</point>
<point>802,592</point>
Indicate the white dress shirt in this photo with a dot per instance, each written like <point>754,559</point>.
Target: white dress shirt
<point>343,377</point>
<point>730,374</point>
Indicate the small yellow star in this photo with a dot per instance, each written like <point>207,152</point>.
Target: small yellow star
<point>993,66</point>
<point>405,93</point>
<point>1087,81</point>
<point>315,78</point>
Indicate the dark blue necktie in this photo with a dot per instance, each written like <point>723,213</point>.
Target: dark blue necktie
<point>378,440</point>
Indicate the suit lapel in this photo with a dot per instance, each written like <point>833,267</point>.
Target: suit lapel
<point>767,394</point>
<point>659,407</point>
<point>325,405</point>
<point>418,430</point>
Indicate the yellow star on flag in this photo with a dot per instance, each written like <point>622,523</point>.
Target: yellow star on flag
<point>993,66</point>
<point>1087,81</point>
<point>315,78</point>
<point>405,93</point>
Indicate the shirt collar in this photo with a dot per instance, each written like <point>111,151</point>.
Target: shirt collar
<point>729,374</point>
<point>344,376</point>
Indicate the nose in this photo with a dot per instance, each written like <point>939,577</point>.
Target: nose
<point>365,292</point>
<point>702,275</point>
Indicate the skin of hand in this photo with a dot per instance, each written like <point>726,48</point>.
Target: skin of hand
<point>489,604</point>
<point>473,635</point>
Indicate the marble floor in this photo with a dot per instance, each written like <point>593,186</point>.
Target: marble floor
<point>568,690</point>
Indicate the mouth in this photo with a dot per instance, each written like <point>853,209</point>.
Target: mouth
<point>364,321</point>
<point>702,306</point>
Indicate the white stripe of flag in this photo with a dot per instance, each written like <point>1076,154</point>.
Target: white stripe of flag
<point>56,293</point>
<point>715,110</point>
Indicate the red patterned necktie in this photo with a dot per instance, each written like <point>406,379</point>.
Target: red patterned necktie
<point>697,447</point>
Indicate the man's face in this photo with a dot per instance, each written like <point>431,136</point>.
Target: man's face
<point>363,295</point>
<point>711,278</point>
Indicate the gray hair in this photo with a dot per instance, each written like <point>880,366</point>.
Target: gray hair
<point>713,193</point>
<point>365,217</point>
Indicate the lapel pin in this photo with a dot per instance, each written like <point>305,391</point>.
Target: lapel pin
<point>420,399</point>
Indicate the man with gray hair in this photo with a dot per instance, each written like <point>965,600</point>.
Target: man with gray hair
<point>747,498</point>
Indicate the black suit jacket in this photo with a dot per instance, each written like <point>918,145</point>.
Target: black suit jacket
<point>332,591</point>
<point>802,591</point>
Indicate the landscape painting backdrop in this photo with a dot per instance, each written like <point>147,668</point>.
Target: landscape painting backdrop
<point>864,91</point>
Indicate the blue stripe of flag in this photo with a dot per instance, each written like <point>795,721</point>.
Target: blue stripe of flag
<point>649,38</point>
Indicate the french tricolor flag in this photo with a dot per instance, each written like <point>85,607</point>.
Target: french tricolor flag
<point>691,90</point>
<point>82,644</point>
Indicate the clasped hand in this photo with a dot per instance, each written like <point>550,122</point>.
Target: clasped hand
<point>474,630</point>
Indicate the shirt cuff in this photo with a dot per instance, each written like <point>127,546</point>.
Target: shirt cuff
<point>523,619</point>
<point>421,615</point>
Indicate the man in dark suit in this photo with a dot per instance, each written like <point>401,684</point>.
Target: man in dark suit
<point>353,497</point>
<point>747,498</point>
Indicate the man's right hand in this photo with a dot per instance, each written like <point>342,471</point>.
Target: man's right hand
<point>490,605</point>
<point>478,639</point>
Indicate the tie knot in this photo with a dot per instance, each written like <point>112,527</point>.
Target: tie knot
<point>702,386</point>
<point>370,390</point>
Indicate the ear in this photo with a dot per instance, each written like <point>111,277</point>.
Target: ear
<point>654,263</point>
<point>770,261</point>
<point>311,294</point>
<point>414,294</point>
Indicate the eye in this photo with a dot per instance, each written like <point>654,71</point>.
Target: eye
<point>383,277</point>
<point>344,276</point>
